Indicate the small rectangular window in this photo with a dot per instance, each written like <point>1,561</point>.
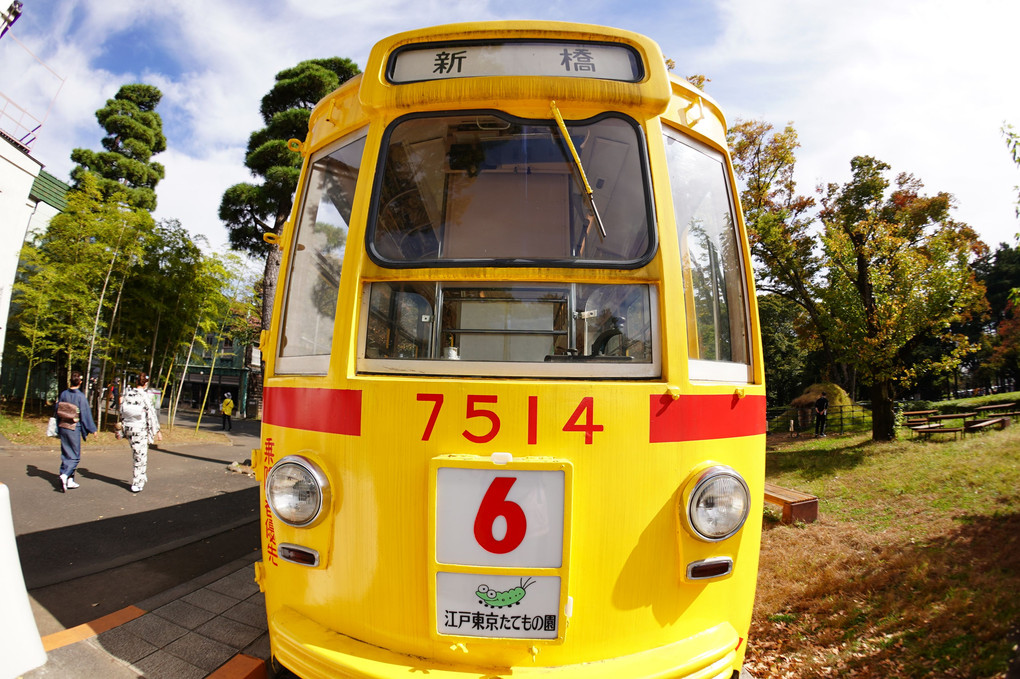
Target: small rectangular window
<point>313,282</point>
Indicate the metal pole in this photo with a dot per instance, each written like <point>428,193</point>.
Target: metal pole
<point>10,16</point>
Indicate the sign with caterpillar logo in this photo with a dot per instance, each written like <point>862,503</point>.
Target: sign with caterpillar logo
<point>477,605</point>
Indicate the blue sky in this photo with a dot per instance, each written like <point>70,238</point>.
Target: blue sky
<point>924,85</point>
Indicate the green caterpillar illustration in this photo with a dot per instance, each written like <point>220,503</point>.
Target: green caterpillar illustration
<point>493,599</point>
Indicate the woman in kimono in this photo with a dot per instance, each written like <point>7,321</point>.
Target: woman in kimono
<point>141,427</point>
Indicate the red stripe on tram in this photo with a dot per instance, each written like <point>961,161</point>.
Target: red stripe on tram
<point>332,411</point>
<point>697,418</point>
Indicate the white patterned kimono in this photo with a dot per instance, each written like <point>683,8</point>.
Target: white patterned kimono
<point>141,424</point>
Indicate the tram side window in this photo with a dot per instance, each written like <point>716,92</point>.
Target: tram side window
<point>309,310</point>
<point>711,260</point>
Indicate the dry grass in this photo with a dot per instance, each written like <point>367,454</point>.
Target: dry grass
<point>912,571</point>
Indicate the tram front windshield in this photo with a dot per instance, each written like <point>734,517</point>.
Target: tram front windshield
<point>484,188</point>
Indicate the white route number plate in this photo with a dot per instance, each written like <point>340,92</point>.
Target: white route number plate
<point>511,519</point>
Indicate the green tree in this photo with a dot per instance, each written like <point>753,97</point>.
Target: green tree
<point>93,240</point>
<point>781,348</point>
<point>134,135</point>
<point>777,218</point>
<point>897,273</point>
<point>1005,356</point>
<point>208,299</point>
<point>250,210</point>
<point>1000,274</point>
<point>780,223</point>
<point>159,304</point>
<point>70,267</point>
<point>32,300</point>
<point>230,313</point>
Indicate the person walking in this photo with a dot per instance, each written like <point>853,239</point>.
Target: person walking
<point>141,427</point>
<point>74,424</point>
<point>821,413</point>
<point>112,395</point>
<point>227,408</point>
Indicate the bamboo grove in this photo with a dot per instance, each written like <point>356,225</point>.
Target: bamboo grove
<point>106,286</point>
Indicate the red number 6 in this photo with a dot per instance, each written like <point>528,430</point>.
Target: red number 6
<point>494,505</point>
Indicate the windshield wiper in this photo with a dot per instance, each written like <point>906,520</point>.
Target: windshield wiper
<point>577,162</point>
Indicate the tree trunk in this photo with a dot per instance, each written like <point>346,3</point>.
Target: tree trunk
<point>184,376</point>
<point>99,309</point>
<point>208,385</point>
<point>31,356</point>
<point>270,277</point>
<point>24,396</point>
<point>109,341</point>
<point>155,334</point>
<point>883,421</point>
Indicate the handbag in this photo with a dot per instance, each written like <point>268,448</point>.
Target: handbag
<point>51,428</point>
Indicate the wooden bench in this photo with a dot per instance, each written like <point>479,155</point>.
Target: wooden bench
<point>797,506</point>
<point>1000,422</point>
<point>936,428</point>
<point>998,406</point>
<point>1000,410</point>
<point>916,417</point>
<point>952,416</point>
<point>935,424</point>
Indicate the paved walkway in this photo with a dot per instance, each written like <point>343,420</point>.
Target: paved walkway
<point>157,584</point>
<point>213,626</point>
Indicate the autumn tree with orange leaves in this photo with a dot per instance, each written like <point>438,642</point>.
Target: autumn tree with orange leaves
<point>898,273</point>
<point>885,269</point>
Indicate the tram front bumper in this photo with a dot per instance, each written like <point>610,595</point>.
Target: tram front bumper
<point>313,651</point>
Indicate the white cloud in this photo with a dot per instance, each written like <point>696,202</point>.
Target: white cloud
<point>923,85</point>
<point>193,188</point>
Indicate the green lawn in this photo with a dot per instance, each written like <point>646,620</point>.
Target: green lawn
<point>913,569</point>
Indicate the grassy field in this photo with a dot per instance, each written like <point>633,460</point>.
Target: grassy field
<point>32,431</point>
<point>913,569</point>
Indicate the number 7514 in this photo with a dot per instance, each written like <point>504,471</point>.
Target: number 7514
<point>481,407</point>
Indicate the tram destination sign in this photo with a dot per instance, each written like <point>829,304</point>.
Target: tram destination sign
<point>442,61</point>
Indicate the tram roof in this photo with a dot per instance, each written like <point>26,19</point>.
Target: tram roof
<point>578,97</point>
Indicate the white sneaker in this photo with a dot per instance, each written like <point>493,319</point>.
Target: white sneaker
<point>63,483</point>
<point>71,483</point>
<point>136,489</point>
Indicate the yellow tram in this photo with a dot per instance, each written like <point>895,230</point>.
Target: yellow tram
<point>514,411</point>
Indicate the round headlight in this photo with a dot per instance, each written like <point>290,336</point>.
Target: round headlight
<point>719,504</point>
<point>295,489</point>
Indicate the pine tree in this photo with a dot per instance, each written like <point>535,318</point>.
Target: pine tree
<point>249,210</point>
<point>134,135</point>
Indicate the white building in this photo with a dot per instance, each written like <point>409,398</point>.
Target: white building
<point>29,198</point>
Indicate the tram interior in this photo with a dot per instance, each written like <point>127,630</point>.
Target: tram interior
<point>512,322</point>
<point>481,187</point>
